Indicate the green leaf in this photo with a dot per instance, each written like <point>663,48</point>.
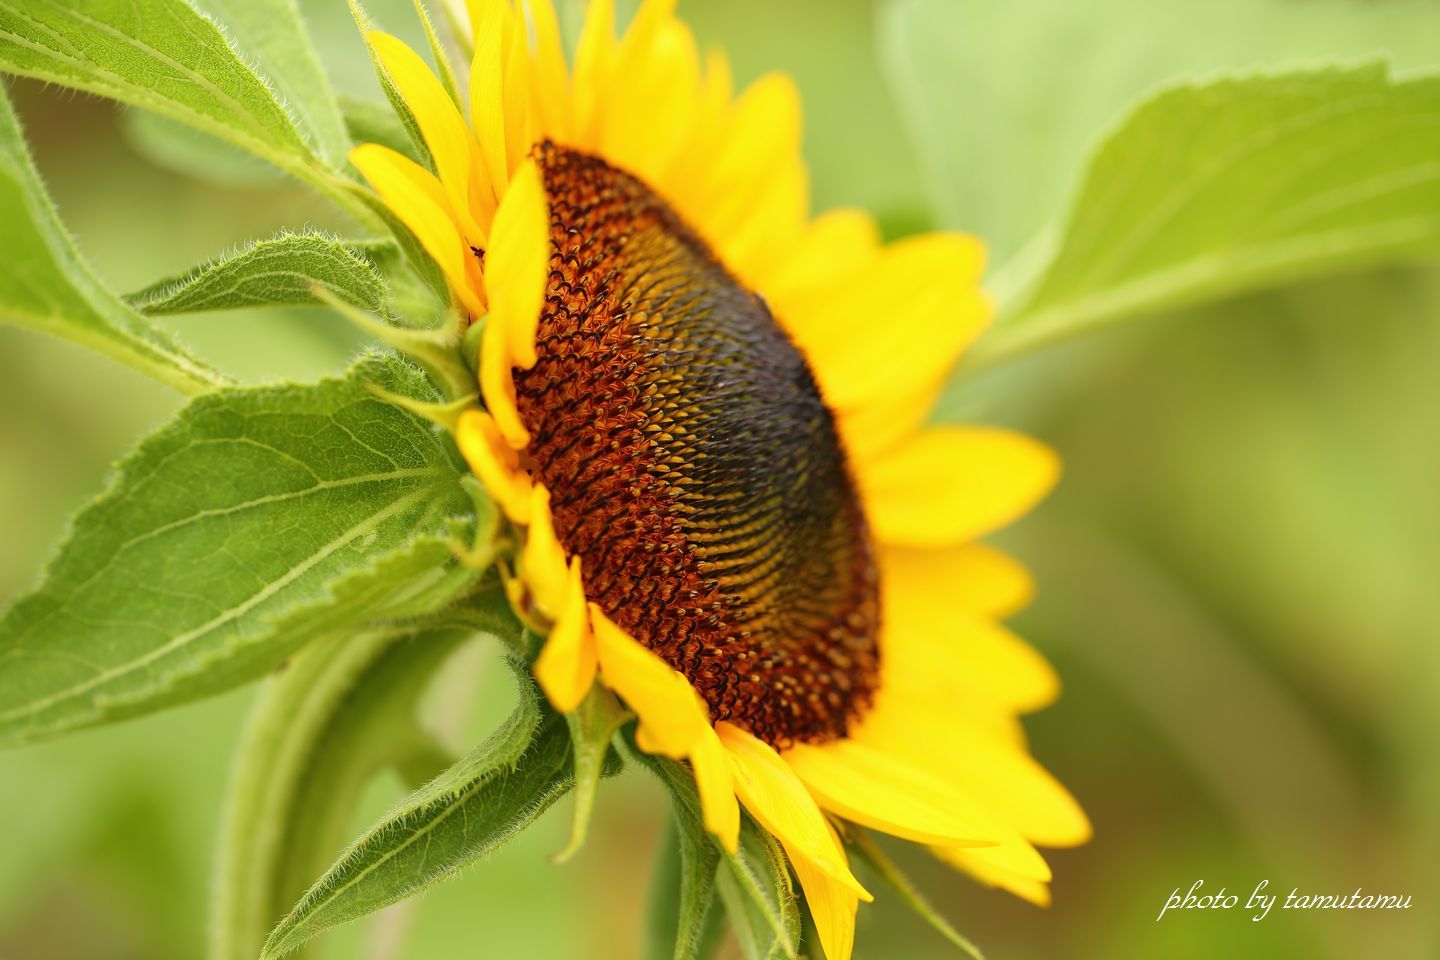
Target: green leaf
<point>468,811</point>
<point>171,145</point>
<point>159,54</point>
<point>754,885</point>
<point>343,711</point>
<point>1213,189</point>
<point>279,271</point>
<point>1001,151</point>
<point>271,34</point>
<point>259,520</point>
<point>45,285</point>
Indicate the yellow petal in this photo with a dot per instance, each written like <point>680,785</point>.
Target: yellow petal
<point>1002,777</point>
<point>765,128</point>
<point>975,577</point>
<point>594,55</point>
<point>543,566</point>
<point>440,124</point>
<point>671,715</point>
<point>897,323</point>
<point>1013,854</point>
<point>674,721</point>
<point>974,863</point>
<point>565,668</point>
<point>491,20</point>
<point>832,907</point>
<point>550,91</point>
<point>856,782</point>
<point>517,265</point>
<point>874,430</point>
<point>951,660</point>
<point>715,781</point>
<point>953,484</point>
<point>416,198</point>
<point>520,126</point>
<point>651,98</point>
<point>834,246</point>
<point>497,384</point>
<point>761,143</point>
<point>772,224</point>
<point>708,130</point>
<point>496,464</point>
<point>955,661</point>
<point>779,801</point>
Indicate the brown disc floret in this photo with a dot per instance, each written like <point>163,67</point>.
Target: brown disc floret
<point>693,466</point>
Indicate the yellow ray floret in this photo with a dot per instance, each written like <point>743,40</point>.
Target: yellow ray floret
<point>950,485</point>
<point>451,145</point>
<point>496,463</point>
<point>974,576</point>
<point>518,259</point>
<point>673,721</point>
<point>832,905</point>
<point>415,196</point>
<point>777,798</point>
<point>864,786</point>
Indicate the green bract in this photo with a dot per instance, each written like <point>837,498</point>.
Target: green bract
<point>327,535</point>
<point>288,269</point>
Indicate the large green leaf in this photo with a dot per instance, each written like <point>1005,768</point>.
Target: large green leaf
<point>283,270</point>
<point>1236,184</point>
<point>466,812</point>
<point>272,34</point>
<point>255,522</point>
<point>1002,143</point>
<point>342,712</point>
<point>165,56</point>
<point>159,54</point>
<point>45,285</point>
<point>171,145</point>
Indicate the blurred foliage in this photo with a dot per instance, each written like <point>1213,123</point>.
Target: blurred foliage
<point>1235,578</point>
<point>1004,99</point>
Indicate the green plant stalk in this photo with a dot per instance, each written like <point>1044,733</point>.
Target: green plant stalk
<point>343,711</point>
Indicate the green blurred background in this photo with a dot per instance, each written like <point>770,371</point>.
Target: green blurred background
<point>1237,576</point>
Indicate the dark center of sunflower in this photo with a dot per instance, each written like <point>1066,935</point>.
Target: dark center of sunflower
<point>692,465</point>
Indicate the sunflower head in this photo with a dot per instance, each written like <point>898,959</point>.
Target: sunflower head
<point>677,428</point>
<point>703,418</point>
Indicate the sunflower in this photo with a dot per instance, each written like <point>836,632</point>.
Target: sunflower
<point>704,420</point>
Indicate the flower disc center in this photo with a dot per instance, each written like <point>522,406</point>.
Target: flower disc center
<point>693,466</point>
